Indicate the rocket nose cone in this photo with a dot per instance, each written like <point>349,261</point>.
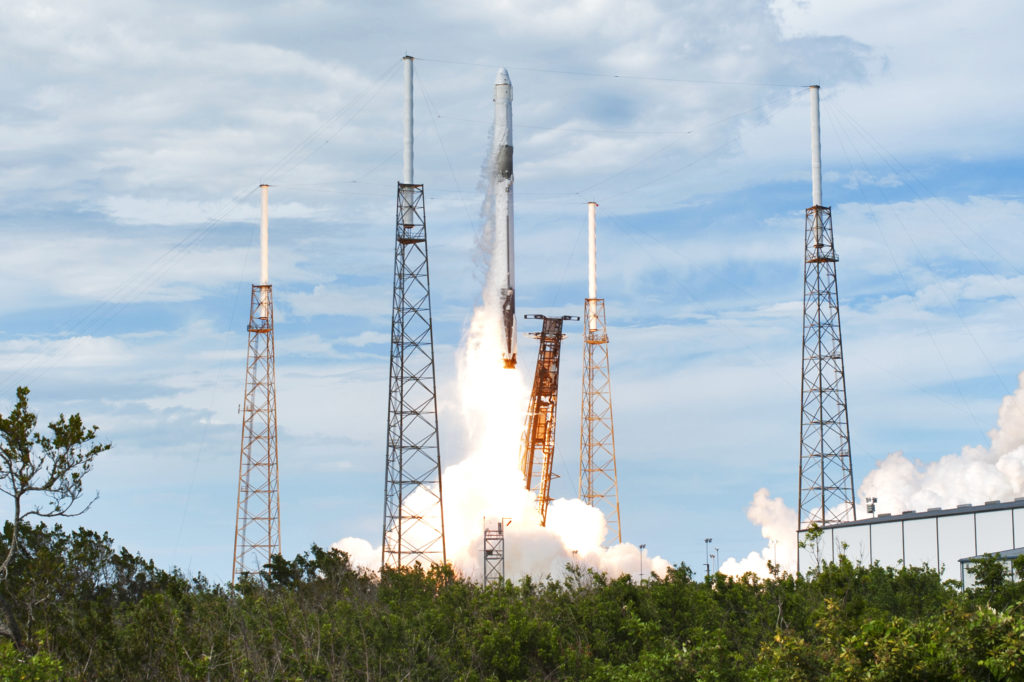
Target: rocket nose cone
<point>502,77</point>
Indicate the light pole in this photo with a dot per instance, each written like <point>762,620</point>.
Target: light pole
<point>642,548</point>
<point>718,560</point>
<point>707,557</point>
<point>872,501</point>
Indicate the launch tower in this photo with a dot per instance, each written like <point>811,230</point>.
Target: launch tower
<point>413,509</point>
<point>826,470</point>
<point>258,514</point>
<point>538,445</point>
<point>599,482</point>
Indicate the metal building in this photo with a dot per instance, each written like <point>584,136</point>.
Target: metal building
<point>967,579</point>
<point>937,538</point>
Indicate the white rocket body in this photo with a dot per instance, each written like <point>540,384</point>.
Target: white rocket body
<point>504,232</point>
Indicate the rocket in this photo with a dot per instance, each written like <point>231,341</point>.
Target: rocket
<point>504,233</point>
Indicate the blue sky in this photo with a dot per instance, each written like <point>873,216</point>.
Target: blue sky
<point>135,134</point>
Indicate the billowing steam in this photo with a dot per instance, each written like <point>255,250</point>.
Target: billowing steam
<point>778,526</point>
<point>486,485</point>
<point>978,474</point>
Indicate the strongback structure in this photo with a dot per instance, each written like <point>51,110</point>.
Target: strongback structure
<point>599,481</point>
<point>826,472</point>
<point>413,509</point>
<point>944,540</point>
<point>494,553</point>
<point>538,445</point>
<point>258,514</point>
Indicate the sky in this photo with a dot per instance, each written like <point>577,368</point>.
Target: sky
<point>134,136</point>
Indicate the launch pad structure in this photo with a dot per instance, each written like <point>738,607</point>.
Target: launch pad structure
<point>413,509</point>
<point>826,470</point>
<point>538,445</point>
<point>599,478</point>
<point>258,511</point>
<point>494,553</point>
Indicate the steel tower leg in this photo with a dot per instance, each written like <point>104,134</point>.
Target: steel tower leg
<point>258,517</point>
<point>413,510</point>
<point>599,479</point>
<point>826,470</point>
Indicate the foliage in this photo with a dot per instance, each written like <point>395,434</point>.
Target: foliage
<point>42,474</point>
<point>94,612</point>
<point>14,665</point>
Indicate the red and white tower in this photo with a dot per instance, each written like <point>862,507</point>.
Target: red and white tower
<point>258,517</point>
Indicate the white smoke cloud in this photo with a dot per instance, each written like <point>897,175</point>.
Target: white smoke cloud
<point>488,485</point>
<point>778,526</point>
<point>977,475</point>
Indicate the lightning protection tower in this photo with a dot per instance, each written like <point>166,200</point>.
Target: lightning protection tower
<point>826,471</point>
<point>413,510</point>
<point>538,444</point>
<point>258,515</point>
<point>599,480</point>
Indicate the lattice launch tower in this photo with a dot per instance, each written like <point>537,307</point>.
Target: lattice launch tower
<point>413,508</point>
<point>826,470</point>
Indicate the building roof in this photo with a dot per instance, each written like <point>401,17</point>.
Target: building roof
<point>1005,554</point>
<point>934,512</point>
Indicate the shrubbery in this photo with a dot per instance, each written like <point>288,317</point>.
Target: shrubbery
<point>88,611</point>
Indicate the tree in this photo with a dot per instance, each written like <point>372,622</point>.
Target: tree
<point>42,473</point>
